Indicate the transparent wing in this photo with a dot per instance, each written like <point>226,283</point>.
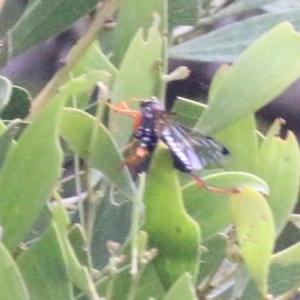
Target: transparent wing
<point>208,149</point>
<point>199,149</point>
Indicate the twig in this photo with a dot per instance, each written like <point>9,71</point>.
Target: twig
<point>102,13</point>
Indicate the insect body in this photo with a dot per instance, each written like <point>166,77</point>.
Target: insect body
<point>190,151</point>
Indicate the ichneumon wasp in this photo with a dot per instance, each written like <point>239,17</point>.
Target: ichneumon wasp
<point>153,124</point>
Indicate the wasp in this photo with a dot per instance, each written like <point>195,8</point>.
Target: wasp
<point>153,124</point>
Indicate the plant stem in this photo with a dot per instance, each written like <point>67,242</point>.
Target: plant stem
<point>102,13</point>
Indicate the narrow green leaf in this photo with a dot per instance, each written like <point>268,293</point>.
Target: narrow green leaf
<point>7,138</point>
<point>171,230</point>
<point>279,165</point>
<point>287,256</point>
<point>77,129</point>
<point>28,175</point>
<point>44,270</point>
<point>140,15</point>
<point>11,281</point>
<point>255,233</point>
<point>260,74</point>
<point>227,43</point>
<point>77,273</point>
<point>34,26</point>
<point>137,78</point>
<point>182,12</point>
<point>183,288</point>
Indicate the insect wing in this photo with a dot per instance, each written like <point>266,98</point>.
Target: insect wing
<point>185,158</point>
<point>201,150</point>
<point>207,148</point>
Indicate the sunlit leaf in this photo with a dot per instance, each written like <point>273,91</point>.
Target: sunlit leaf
<point>260,74</point>
<point>279,165</point>
<point>255,232</point>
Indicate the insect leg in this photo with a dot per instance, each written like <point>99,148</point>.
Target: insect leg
<point>140,154</point>
<point>200,183</point>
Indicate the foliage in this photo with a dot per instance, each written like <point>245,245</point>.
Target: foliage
<point>74,223</point>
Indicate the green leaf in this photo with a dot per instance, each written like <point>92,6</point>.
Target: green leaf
<point>227,43</point>
<point>44,270</point>
<point>211,210</point>
<point>7,138</point>
<point>18,106</point>
<point>140,14</point>
<point>182,12</point>
<point>260,74</point>
<point>91,140</point>
<point>171,230</point>
<point>241,140</point>
<point>77,273</point>
<point>28,175</point>
<point>34,26</point>
<point>255,233</point>
<point>279,165</point>
<point>137,78</point>
<point>288,256</point>
<point>183,288</point>
<point>5,92</point>
<point>212,256</point>
<point>11,281</point>
<point>11,12</point>
<point>93,59</point>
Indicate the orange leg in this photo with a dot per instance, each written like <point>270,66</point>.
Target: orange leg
<point>135,159</point>
<point>200,183</point>
<point>123,108</point>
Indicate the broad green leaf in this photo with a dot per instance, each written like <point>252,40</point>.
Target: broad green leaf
<point>44,270</point>
<point>34,26</point>
<point>279,165</point>
<point>77,273</point>
<point>11,281</point>
<point>137,78</point>
<point>28,175</point>
<point>255,232</point>
<point>260,74</point>
<point>240,139</point>
<point>18,106</point>
<point>183,288</point>
<point>211,210</point>
<point>5,92</point>
<point>136,15</point>
<point>171,230</point>
<point>90,139</point>
<point>187,111</point>
<point>77,239</point>
<point>227,43</point>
